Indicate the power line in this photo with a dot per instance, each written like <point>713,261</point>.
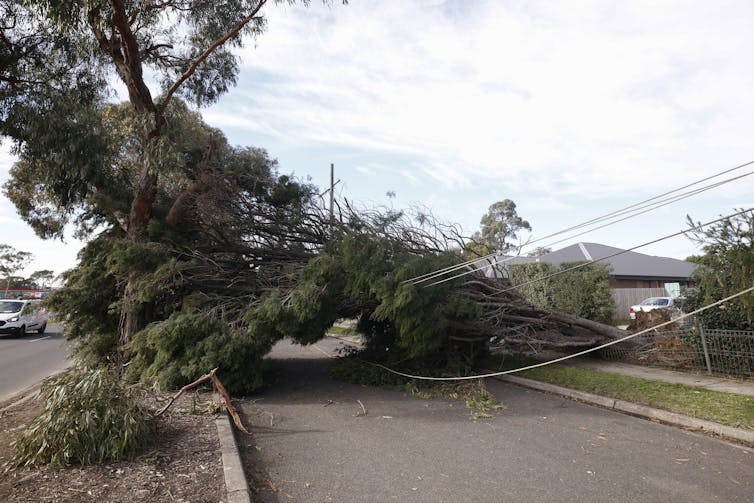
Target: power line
<point>568,357</point>
<point>644,209</point>
<point>584,264</point>
<point>431,275</point>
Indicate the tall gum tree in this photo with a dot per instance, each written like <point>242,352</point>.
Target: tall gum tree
<point>55,60</point>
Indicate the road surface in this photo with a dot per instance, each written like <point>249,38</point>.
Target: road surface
<point>24,361</point>
<point>312,442</point>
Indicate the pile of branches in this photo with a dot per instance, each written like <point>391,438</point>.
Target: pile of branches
<point>508,320</point>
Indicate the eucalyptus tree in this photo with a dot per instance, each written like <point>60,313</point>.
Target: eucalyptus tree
<point>11,262</point>
<point>42,279</point>
<point>59,63</point>
<point>501,224</point>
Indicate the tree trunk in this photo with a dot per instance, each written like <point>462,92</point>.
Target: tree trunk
<point>132,317</point>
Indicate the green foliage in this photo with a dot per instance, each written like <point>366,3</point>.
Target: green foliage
<point>12,261</point>
<point>182,348</point>
<point>234,217</point>
<point>88,302</point>
<point>90,416</point>
<point>353,369</point>
<point>584,291</point>
<point>499,225</point>
<point>733,315</point>
<point>42,279</point>
<point>726,268</point>
<point>361,276</point>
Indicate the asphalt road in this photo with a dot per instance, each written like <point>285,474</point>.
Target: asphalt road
<point>24,361</point>
<point>312,444</point>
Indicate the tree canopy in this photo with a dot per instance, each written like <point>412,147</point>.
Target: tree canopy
<point>11,262</point>
<point>725,268</point>
<point>499,226</point>
<point>58,58</point>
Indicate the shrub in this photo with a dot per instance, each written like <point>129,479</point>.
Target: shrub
<point>584,291</point>
<point>89,417</point>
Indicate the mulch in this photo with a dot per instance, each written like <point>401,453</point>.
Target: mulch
<point>181,464</point>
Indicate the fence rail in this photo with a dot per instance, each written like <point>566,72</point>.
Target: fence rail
<point>729,352</point>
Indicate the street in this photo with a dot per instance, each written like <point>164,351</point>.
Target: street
<point>26,360</point>
<point>312,442</point>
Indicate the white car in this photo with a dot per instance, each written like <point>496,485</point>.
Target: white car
<point>20,316</point>
<point>650,304</point>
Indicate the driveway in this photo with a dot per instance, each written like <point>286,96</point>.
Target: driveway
<point>312,442</point>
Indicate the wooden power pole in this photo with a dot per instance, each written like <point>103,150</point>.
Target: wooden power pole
<point>332,195</point>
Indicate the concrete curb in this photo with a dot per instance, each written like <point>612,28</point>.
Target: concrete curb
<point>235,479</point>
<point>21,397</point>
<point>727,432</point>
<point>25,395</point>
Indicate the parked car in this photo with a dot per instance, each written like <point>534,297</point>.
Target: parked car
<point>20,316</point>
<point>651,304</point>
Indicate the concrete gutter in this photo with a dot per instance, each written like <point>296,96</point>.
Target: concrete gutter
<point>235,480</point>
<point>727,432</point>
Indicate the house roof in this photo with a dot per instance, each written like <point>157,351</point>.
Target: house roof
<point>629,264</point>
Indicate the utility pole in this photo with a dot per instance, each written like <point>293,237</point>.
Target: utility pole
<point>332,195</point>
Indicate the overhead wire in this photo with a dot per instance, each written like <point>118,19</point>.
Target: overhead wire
<point>644,209</point>
<point>637,210</point>
<point>588,262</point>
<point>607,216</point>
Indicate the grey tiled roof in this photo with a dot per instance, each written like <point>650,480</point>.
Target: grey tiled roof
<point>628,265</point>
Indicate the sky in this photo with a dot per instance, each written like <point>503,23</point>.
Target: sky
<point>571,109</point>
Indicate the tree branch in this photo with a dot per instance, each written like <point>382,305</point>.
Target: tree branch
<point>217,43</point>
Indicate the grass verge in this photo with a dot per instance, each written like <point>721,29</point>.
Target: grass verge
<point>724,408</point>
<point>342,330</point>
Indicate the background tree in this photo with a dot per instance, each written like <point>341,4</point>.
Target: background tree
<point>58,58</point>
<point>11,262</point>
<point>42,279</point>
<point>725,268</point>
<point>539,251</point>
<point>499,226</point>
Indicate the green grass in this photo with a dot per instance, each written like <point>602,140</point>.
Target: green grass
<point>342,330</point>
<point>725,408</point>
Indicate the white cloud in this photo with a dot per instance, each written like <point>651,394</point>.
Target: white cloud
<point>571,108</point>
<point>574,96</point>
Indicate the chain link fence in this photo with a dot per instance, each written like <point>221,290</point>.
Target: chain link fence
<point>695,348</point>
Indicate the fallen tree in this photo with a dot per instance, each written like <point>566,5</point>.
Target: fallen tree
<point>237,256</point>
<point>363,272</point>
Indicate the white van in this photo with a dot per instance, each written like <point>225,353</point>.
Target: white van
<point>20,316</point>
